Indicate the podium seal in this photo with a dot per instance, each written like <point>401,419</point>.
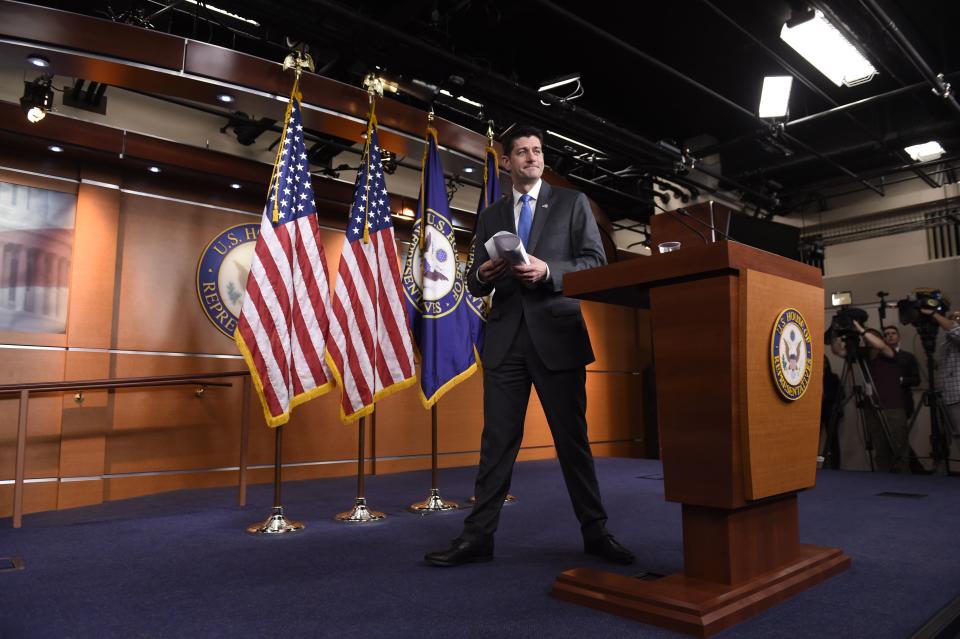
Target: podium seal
<point>791,354</point>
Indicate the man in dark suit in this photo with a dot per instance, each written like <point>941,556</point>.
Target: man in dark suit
<point>534,335</point>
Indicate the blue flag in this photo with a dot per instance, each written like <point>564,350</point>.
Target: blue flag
<point>433,283</point>
<point>489,193</point>
<point>491,180</point>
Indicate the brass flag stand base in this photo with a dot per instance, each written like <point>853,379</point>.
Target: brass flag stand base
<point>276,523</point>
<point>434,503</point>
<point>360,513</point>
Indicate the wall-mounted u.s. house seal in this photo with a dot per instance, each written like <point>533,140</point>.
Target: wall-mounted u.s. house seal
<point>791,354</point>
<point>222,275</point>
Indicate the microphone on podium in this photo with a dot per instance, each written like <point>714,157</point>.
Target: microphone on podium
<point>679,218</point>
<point>678,214</point>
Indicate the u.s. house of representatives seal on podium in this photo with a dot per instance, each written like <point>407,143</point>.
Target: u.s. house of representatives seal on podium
<point>222,275</point>
<point>791,354</point>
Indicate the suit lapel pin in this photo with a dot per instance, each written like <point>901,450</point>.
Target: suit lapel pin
<point>544,205</point>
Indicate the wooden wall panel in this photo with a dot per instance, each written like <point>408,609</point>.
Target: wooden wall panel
<point>83,431</point>
<point>93,274</point>
<point>162,242</point>
<point>170,428</point>
<point>43,413</point>
<point>37,497</point>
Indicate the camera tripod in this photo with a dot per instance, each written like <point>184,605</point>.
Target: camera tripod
<point>868,407</point>
<point>941,424</point>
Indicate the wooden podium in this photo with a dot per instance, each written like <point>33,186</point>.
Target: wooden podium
<point>734,452</point>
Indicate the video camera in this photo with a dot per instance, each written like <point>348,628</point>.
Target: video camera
<point>842,323</point>
<point>924,299</point>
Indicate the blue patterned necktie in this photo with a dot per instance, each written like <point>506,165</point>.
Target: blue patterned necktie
<point>526,219</point>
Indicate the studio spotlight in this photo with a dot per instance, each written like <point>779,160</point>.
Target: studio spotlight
<point>37,98</point>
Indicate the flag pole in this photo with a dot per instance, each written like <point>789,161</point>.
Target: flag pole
<point>360,513</point>
<point>434,503</point>
<point>277,523</point>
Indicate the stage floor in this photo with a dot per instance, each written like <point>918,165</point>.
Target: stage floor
<point>180,564</point>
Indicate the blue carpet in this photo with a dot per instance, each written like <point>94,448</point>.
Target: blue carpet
<point>180,564</point>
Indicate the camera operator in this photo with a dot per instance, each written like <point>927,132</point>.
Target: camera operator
<point>948,364</point>
<point>909,367</point>
<point>890,452</point>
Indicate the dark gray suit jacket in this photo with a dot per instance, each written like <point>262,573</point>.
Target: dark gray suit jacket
<point>565,236</point>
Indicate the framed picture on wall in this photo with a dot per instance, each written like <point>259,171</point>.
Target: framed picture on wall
<point>36,246</point>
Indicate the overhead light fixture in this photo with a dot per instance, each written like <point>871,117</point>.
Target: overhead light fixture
<point>575,91</point>
<point>223,12</point>
<point>828,50</point>
<point>37,98</point>
<point>559,82</point>
<point>38,61</point>
<point>55,149</point>
<point>468,169</point>
<point>470,102</point>
<point>235,186</point>
<point>775,96</point>
<point>154,169</point>
<point>572,141</point>
<point>226,98</point>
<point>925,152</point>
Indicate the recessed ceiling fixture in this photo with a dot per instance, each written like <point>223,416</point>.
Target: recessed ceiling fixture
<point>38,61</point>
<point>468,169</point>
<point>775,96</point>
<point>827,49</point>
<point>55,149</point>
<point>235,185</point>
<point>226,98</point>
<point>925,152</point>
<point>154,169</point>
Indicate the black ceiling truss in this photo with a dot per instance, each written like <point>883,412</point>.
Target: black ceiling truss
<point>526,101</point>
<point>805,81</point>
<point>424,32</point>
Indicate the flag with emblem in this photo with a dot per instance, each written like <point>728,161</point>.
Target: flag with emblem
<point>370,351</point>
<point>442,324</point>
<point>284,320</point>
<point>489,193</point>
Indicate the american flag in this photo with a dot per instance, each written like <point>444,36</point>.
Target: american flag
<point>284,321</point>
<point>370,351</point>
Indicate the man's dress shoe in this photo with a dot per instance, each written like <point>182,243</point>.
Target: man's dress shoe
<point>461,551</point>
<point>608,548</point>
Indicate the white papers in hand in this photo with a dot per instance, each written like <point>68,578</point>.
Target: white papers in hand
<point>506,245</point>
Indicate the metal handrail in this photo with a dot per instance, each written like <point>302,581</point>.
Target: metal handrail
<point>24,391</point>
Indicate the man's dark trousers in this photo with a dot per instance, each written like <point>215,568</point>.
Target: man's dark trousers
<point>564,399</point>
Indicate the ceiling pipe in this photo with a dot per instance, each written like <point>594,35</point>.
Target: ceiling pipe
<point>906,165</point>
<point>613,136</point>
<point>940,87</point>
<point>688,80</point>
<point>813,87</point>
